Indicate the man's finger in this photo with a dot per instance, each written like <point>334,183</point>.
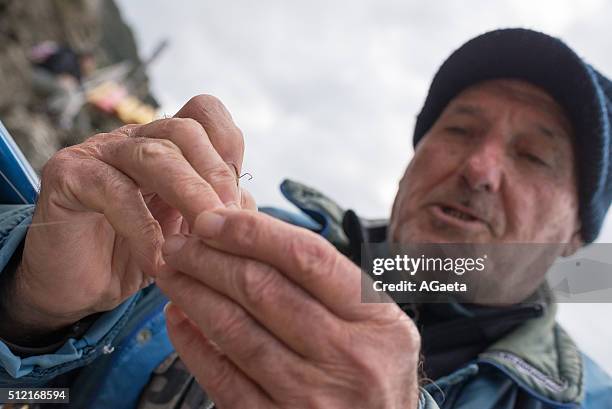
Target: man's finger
<point>304,257</point>
<point>158,165</point>
<point>94,185</point>
<point>168,217</point>
<point>247,201</point>
<point>263,291</point>
<point>246,343</point>
<point>193,141</point>
<point>224,135</point>
<point>220,378</point>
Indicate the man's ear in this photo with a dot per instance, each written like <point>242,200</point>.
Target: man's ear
<point>574,244</point>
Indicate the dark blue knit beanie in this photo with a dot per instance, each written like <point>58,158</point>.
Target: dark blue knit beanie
<point>549,63</point>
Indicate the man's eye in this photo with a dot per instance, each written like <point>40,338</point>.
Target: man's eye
<point>456,130</point>
<point>534,159</point>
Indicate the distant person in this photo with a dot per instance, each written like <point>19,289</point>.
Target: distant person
<point>58,74</point>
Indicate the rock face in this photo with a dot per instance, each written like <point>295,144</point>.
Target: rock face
<point>93,25</point>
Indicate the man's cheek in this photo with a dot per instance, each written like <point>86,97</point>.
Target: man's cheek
<point>435,160</point>
<point>559,220</point>
<point>539,214</point>
<point>426,174</point>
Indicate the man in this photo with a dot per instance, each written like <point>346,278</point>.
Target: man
<point>512,145</point>
<point>58,74</point>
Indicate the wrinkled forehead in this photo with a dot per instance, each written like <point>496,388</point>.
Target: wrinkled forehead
<point>514,91</point>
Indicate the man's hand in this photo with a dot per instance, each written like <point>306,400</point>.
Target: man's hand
<point>106,205</point>
<point>268,315</point>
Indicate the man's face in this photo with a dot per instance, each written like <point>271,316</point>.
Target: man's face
<point>496,167</point>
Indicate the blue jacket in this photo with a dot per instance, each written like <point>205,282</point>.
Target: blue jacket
<point>537,366</point>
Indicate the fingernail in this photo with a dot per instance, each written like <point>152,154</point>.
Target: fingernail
<point>173,243</point>
<point>174,315</point>
<point>209,224</point>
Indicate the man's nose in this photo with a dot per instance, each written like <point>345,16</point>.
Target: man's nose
<point>483,168</point>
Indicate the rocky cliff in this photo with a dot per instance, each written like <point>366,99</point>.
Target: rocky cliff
<point>92,25</point>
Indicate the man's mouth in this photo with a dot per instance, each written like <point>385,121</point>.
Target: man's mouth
<point>458,214</point>
<point>458,217</point>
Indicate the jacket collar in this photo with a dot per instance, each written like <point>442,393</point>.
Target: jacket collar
<point>541,357</point>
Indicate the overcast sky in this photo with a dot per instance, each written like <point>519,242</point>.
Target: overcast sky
<point>326,92</point>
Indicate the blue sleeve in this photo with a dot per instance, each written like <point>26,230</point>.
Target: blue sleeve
<point>597,385</point>
<point>38,370</point>
<point>14,222</point>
